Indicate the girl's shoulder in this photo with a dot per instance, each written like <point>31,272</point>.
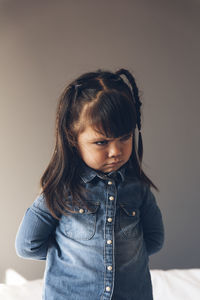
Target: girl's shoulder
<point>40,208</point>
<point>131,176</point>
<point>138,185</point>
<point>40,202</point>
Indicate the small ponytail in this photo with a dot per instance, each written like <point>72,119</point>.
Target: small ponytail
<point>138,103</point>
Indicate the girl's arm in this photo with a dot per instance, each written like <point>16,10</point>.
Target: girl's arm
<point>35,231</point>
<point>152,223</point>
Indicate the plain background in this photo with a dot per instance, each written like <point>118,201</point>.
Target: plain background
<point>44,45</point>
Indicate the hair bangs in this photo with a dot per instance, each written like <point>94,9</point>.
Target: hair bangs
<point>112,114</point>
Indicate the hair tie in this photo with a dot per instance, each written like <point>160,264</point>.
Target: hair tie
<point>76,88</point>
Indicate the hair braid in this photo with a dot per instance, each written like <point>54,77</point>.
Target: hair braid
<point>138,104</point>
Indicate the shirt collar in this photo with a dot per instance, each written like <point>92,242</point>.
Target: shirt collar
<point>87,174</point>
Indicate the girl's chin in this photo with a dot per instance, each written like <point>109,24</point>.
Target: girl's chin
<point>111,167</point>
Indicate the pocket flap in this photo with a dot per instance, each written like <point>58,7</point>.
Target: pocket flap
<point>130,210</point>
<point>89,208</point>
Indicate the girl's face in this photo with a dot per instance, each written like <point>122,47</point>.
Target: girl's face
<point>102,153</point>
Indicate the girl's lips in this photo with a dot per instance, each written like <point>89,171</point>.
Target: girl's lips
<point>114,163</point>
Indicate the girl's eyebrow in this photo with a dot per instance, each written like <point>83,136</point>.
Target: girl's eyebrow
<point>104,138</point>
<point>100,138</point>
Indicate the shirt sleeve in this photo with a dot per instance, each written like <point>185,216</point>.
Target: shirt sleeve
<point>35,231</point>
<point>152,223</point>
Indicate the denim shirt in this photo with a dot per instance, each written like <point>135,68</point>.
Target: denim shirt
<point>99,253</point>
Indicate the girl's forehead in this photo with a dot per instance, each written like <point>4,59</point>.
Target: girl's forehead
<point>91,130</point>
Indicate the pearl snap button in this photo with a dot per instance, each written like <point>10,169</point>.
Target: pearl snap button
<point>111,198</point>
<point>133,213</point>
<point>81,210</point>
<point>109,268</point>
<point>109,182</point>
<point>109,242</point>
<point>109,220</point>
<point>108,289</point>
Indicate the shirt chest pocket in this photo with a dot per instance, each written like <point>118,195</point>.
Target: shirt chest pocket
<point>81,224</point>
<point>129,221</point>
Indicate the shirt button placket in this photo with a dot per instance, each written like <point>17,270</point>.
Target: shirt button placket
<point>109,238</point>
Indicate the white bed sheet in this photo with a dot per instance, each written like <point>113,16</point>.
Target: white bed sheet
<point>176,284</point>
<point>167,285</point>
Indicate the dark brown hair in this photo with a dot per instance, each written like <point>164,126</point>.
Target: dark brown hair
<point>110,103</point>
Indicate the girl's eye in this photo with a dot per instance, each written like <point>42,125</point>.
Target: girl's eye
<point>101,143</point>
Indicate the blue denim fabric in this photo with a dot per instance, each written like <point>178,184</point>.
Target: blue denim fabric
<point>99,253</point>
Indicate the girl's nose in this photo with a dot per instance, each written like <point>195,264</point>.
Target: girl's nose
<point>114,149</point>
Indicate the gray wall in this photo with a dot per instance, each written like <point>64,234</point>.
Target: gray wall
<point>44,44</point>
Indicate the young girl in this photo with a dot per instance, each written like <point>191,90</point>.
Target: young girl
<point>96,221</point>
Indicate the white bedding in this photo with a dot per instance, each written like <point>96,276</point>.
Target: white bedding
<point>176,284</point>
<point>167,285</point>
